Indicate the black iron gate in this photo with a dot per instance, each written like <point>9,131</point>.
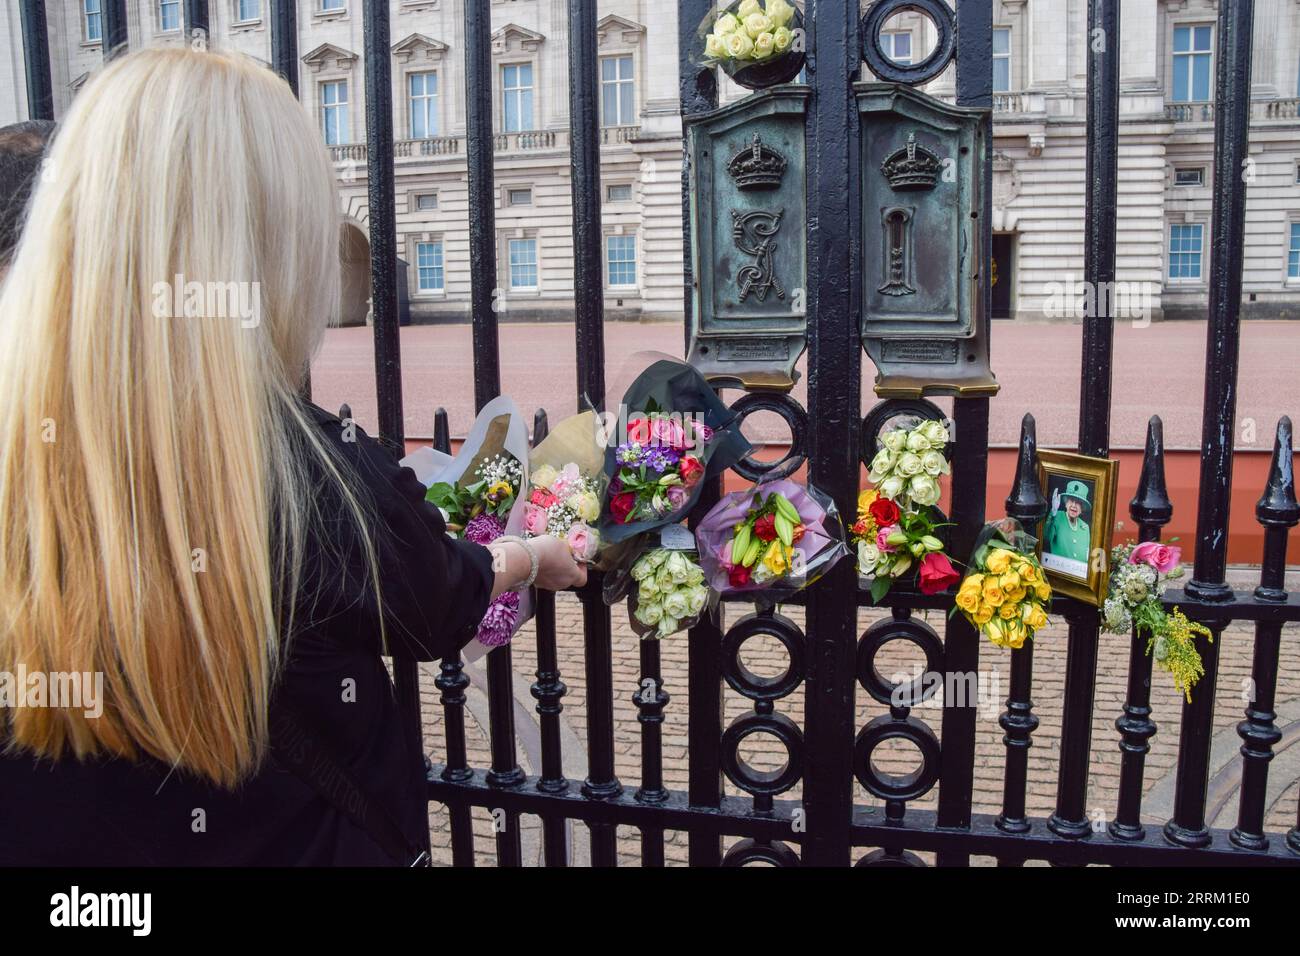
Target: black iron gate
<point>831,660</point>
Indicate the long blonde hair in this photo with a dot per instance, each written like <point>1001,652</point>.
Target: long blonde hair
<point>154,491</point>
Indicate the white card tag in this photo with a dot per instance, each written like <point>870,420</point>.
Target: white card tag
<point>676,537</point>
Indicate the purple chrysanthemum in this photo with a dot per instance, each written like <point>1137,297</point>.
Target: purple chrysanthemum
<point>484,529</point>
<point>498,623</point>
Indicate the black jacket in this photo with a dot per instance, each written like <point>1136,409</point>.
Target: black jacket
<point>434,589</point>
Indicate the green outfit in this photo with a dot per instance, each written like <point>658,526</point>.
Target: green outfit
<point>1066,541</point>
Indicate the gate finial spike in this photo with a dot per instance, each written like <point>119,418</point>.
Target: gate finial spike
<point>1277,506</point>
<point>1151,505</point>
<point>441,431</point>
<point>541,427</point>
<point>1026,502</point>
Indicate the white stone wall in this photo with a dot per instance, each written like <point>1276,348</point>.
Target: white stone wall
<point>1039,138</point>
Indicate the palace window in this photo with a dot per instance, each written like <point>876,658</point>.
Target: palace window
<point>169,15</point>
<point>1002,60</point>
<point>334,111</point>
<point>94,21</point>
<point>424,105</point>
<point>522,255</point>
<point>898,47</point>
<point>1185,244</point>
<point>517,97</point>
<point>1193,51</point>
<point>620,259</point>
<point>617,92</point>
<point>428,266</point>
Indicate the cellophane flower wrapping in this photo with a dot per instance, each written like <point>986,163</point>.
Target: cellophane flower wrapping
<point>1005,594</point>
<point>664,585</point>
<point>777,567</point>
<point>748,32</point>
<point>566,485</point>
<point>670,431</point>
<point>497,439</point>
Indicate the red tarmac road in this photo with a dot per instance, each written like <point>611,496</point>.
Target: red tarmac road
<point>1158,369</point>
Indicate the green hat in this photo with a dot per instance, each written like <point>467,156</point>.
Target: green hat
<point>1076,489</point>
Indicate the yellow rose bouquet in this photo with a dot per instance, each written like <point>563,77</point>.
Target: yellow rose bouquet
<point>1004,593</point>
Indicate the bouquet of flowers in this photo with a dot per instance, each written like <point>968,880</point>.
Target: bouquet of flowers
<point>1004,593</point>
<point>664,585</point>
<point>672,432</point>
<point>892,542</point>
<point>479,493</point>
<point>565,486</point>
<point>907,467</point>
<point>1139,576</point>
<point>896,531</point>
<point>658,466</point>
<point>777,536</point>
<point>670,593</point>
<point>751,31</point>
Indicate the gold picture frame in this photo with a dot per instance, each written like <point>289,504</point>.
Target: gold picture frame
<point>1080,492</point>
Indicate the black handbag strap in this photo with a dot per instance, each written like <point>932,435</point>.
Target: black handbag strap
<point>303,752</point>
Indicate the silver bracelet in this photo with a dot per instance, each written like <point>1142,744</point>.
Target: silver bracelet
<point>532,557</point>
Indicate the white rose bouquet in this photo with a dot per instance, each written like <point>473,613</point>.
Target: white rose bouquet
<point>752,32</point>
<point>907,468</point>
<point>668,593</point>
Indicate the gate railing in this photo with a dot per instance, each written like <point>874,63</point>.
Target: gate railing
<point>828,659</point>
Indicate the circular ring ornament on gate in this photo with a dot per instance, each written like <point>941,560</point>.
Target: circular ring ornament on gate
<point>749,851</point>
<point>763,782</point>
<point>795,418</point>
<point>899,629</point>
<point>883,413</point>
<point>884,858</point>
<point>881,64</point>
<point>889,786</point>
<point>744,681</point>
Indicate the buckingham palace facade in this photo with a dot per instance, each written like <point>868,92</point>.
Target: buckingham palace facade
<point>1165,157</point>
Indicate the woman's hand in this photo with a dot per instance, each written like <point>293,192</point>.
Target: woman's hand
<point>556,567</point>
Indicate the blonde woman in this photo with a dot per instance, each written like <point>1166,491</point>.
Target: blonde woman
<point>178,528</point>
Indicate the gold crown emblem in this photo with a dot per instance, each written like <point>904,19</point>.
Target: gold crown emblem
<point>912,167</point>
<point>757,166</point>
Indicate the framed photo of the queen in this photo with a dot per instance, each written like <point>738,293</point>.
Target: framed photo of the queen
<point>1074,543</point>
